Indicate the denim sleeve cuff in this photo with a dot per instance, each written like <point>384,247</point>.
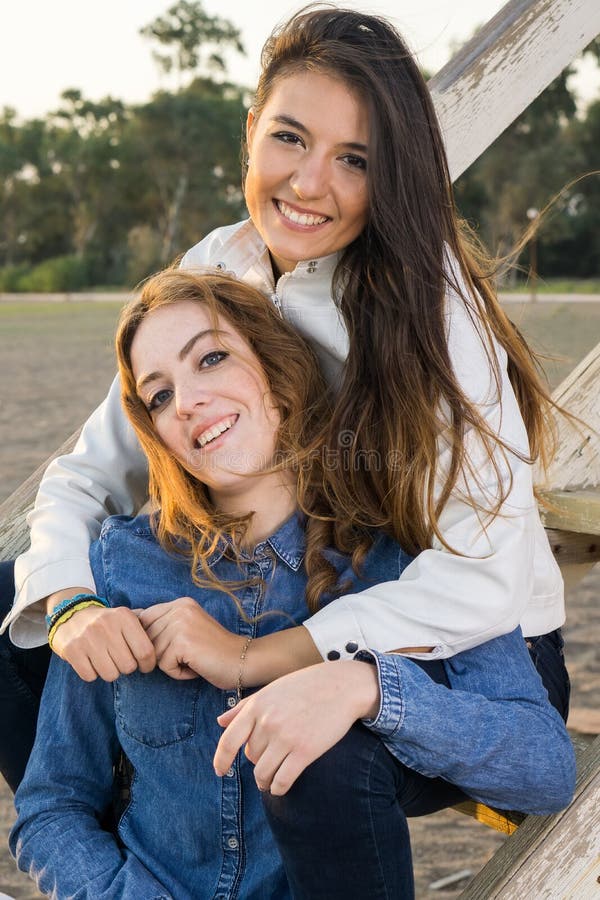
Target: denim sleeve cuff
<point>390,717</point>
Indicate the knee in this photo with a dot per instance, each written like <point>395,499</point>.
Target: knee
<point>338,786</point>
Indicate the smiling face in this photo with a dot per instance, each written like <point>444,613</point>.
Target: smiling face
<point>207,396</point>
<point>306,187</point>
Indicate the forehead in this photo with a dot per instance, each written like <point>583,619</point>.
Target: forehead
<point>163,333</point>
<point>325,105</point>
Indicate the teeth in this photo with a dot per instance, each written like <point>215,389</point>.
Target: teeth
<point>211,433</point>
<point>299,218</point>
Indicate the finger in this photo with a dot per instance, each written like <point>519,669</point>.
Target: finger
<point>288,772</point>
<point>105,666</point>
<point>153,613</point>
<point>174,667</point>
<point>141,647</point>
<point>233,738</point>
<point>225,718</point>
<point>84,668</point>
<point>122,657</point>
<point>267,766</point>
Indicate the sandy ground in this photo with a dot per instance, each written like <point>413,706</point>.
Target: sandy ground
<point>56,363</point>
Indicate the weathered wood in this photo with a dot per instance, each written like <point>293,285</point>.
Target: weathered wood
<point>508,62</point>
<point>576,463</point>
<point>569,547</point>
<point>551,857</point>
<point>14,534</point>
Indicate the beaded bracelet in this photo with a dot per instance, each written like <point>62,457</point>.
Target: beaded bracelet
<point>243,654</point>
<point>66,615</point>
<point>68,602</point>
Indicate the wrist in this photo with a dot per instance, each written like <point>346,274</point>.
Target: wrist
<point>52,600</point>
<point>364,681</point>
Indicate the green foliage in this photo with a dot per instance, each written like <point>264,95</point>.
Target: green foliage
<point>532,166</point>
<point>64,273</point>
<point>10,277</point>
<point>193,39</point>
<point>102,193</point>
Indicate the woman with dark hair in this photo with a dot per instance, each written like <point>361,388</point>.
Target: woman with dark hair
<point>439,413</point>
<point>220,566</point>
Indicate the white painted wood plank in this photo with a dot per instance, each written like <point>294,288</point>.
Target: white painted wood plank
<point>576,463</point>
<point>497,74</point>
<point>567,863</point>
<point>550,857</point>
<point>14,534</point>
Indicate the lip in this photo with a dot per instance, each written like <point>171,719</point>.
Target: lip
<point>301,211</point>
<point>206,426</point>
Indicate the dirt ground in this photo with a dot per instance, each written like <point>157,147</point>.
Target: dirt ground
<point>56,363</point>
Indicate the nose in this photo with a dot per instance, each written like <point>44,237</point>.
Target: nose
<point>310,180</point>
<point>189,396</point>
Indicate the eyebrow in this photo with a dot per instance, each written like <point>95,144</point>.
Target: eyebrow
<point>284,119</point>
<point>185,351</point>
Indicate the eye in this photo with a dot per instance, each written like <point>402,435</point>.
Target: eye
<point>213,358</point>
<point>159,399</point>
<point>355,162</point>
<point>287,137</point>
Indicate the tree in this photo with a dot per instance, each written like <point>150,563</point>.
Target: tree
<point>188,154</point>
<point>192,39</point>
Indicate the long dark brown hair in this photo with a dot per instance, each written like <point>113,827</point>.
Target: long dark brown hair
<point>391,285</point>
<point>187,521</point>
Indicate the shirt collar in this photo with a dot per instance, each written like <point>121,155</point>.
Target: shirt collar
<point>245,254</point>
<point>288,542</point>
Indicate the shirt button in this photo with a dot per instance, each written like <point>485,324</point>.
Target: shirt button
<point>233,843</point>
<point>230,773</point>
<point>351,647</point>
<point>231,701</point>
<point>333,654</point>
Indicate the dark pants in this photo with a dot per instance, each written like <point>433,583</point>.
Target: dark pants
<point>22,676</point>
<point>353,803</point>
<point>23,672</point>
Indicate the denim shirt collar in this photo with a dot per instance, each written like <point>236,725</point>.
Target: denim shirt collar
<point>288,542</point>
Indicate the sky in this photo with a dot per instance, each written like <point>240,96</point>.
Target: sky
<point>47,46</point>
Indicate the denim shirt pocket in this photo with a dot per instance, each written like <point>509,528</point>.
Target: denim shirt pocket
<point>156,710</point>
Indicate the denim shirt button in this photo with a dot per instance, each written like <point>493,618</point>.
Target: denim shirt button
<point>230,772</point>
<point>231,701</point>
<point>233,843</point>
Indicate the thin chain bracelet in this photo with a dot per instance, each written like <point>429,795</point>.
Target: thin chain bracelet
<point>243,656</point>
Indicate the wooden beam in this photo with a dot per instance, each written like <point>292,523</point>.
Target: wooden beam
<point>577,511</point>
<point>576,463</point>
<point>14,534</point>
<point>570,548</point>
<point>550,856</point>
<point>508,62</point>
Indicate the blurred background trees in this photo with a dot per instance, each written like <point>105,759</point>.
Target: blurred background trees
<point>100,193</point>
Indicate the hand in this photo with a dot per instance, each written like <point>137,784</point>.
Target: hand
<point>105,643</point>
<point>188,642</point>
<point>295,719</point>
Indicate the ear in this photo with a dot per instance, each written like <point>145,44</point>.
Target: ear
<point>251,121</point>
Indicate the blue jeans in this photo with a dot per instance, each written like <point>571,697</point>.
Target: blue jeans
<point>23,672</point>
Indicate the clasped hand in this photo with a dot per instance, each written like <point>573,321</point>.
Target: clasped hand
<point>179,637</point>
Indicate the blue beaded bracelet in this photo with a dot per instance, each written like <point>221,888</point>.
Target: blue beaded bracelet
<point>68,603</point>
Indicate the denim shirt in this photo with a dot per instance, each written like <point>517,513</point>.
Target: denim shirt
<point>189,835</point>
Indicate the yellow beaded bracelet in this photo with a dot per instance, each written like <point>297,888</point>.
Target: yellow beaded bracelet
<point>67,615</point>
